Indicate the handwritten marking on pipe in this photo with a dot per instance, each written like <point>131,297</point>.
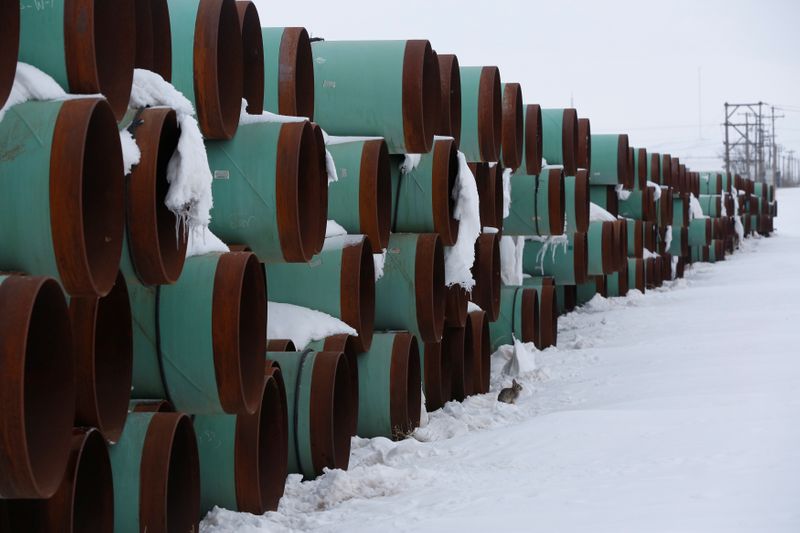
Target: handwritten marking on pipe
<point>222,175</point>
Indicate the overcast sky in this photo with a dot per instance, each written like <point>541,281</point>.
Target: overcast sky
<point>630,66</point>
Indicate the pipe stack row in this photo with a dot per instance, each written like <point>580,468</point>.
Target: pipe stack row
<point>139,386</point>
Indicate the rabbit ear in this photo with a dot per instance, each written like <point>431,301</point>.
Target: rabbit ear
<point>514,382</point>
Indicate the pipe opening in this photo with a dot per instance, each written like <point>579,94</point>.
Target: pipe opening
<point>533,139</point>
<point>580,251</point>
<point>429,287</point>
<point>183,483</point>
<point>153,37</point>
<point>92,491</point>
<point>412,382</point>
<point>547,333</point>
<point>296,74</point>
<point>490,114</point>
<point>445,175</point>
<point>450,121</point>
<point>584,144</point>
<point>582,201</point>
<point>569,141</point>
<point>556,200</point>
<point>482,365</point>
<point>421,96</point>
<point>375,194</point>
<point>469,357</point>
<point>456,307</point>
<point>348,345</point>
<point>343,412</point>
<point>454,342</point>
<point>9,46</point>
<point>358,292</point>
<point>624,164</point>
<point>530,315</point>
<point>486,271</point>
<point>273,442</point>
<point>512,135</point>
<point>252,56</point>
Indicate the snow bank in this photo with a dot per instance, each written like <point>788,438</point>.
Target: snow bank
<point>514,361</point>
<point>202,241</point>
<point>598,213</point>
<point>459,258</point>
<point>302,325</point>
<point>511,259</point>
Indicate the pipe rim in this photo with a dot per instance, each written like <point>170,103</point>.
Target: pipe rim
<point>443,183</point>
<point>436,375</point>
<point>280,345</point>
<point>252,56</point>
<point>239,327</point>
<point>638,238</point>
<point>555,200</point>
<point>584,144</point>
<point>490,114</point>
<point>450,122</point>
<point>375,194</point>
<point>580,256</point>
<point>37,413</point>
<point>582,200</point>
<point>622,229</point>
<point>455,343</point>
<point>86,197</point>
<point>429,287</point>
<point>481,173</point>
<point>533,139</point>
<point>102,334</point>
<point>405,404</point>
<point>357,293</point>
<point>622,159</point>
<point>153,37</point>
<point>530,315</point>
<point>631,177</point>
<point>152,406</point>
<point>218,68</point>
<point>332,417</point>
<point>655,168</point>
<point>157,250</point>
<point>612,201</point>
<point>322,171</point>
<point>455,314</point>
<point>496,178</point>
<point>85,499</point>
<point>278,445</point>
<point>421,96</point>
<point>639,274</point>
<point>486,271</point>
<point>569,140</point>
<point>9,47</point>
<point>296,74</point>
<point>347,345</point>
<point>170,472</point>
<point>607,247</point>
<point>513,126</point>
<point>481,351</point>
<point>547,334</point>
<point>642,167</point>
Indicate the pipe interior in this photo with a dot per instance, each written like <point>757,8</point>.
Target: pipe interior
<point>497,112</point>
<point>229,67</point>
<point>93,492</point>
<point>252,329</point>
<point>153,37</point>
<point>569,138</point>
<point>413,380</point>
<point>454,100</point>
<point>311,187</point>
<point>343,412</point>
<point>273,444</point>
<point>115,50</point>
<point>253,57</point>
<point>366,291</point>
<point>431,93</point>
<point>469,359</point>
<point>9,46</point>
<point>183,487</point>
<point>383,190</point>
<point>171,243</point>
<point>303,73</point>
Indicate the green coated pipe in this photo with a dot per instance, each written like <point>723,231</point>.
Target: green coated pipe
<point>518,318</point>
<point>710,183</point>
<point>566,262</point>
<point>560,138</point>
<point>711,204</point>
<point>576,202</point>
<point>679,245</point>
<point>532,141</point>
<point>349,346</point>
<point>700,254</point>
<point>639,205</point>
<point>537,204</point>
<point>411,293</point>
<point>700,232</point>
<point>422,198</point>
<point>384,88</point>
<point>361,199</point>
<point>566,298</point>
<point>288,72</point>
<point>481,113</point>
<point>389,378</point>
<point>339,281</point>
<point>71,40</point>
<point>605,196</point>
<point>270,190</point>
<point>320,410</point>
<point>547,328</point>
<point>156,474</point>
<point>680,210</point>
<point>635,246</point>
<point>716,251</point>
<point>609,159</point>
<point>617,284</point>
<point>61,193</point>
<point>205,361</point>
<point>586,291</point>
<point>207,62</point>
<point>636,274</point>
<point>600,247</point>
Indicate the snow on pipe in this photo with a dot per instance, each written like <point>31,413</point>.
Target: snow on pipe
<point>700,232</point>
<point>486,271</point>
<point>280,345</point>
<point>635,233</point>
<point>350,347</point>
<point>566,263</point>
<point>537,204</point>
<point>641,162</point>
<point>532,140</point>
<point>153,37</point>
<point>253,81</point>
<point>450,83</point>
<point>481,113</point>
<point>288,212</point>
<point>88,47</point>
<point>216,351</point>
<point>460,365</point>
<point>601,248</point>
<point>9,46</point>
<point>455,312</point>
<point>386,88</point>
<point>389,387</point>
<point>639,204</point>
<point>576,201</point>
<point>238,467</point>
<point>339,281</point>
<point>518,317</point>
<point>423,196</point>
<point>560,139</point>
<point>156,473</point>
<point>85,499</point>
<point>102,337</point>
<point>321,413</point>
<point>605,196</point>
<point>288,72</point>
<point>478,348</point>
<point>584,155</point>
<point>207,62</point>
<point>512,136</point>
<point>636,274</point>
<point>490,193</point>
<point>155,251</point>
<point>361,199</point>
<point>61,202</point>
<point>610,163</point>
<point>37,394</point>
<point>547,325</point>
<point>411,294</point>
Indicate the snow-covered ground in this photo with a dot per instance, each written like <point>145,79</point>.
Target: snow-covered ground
<point>674,411</point>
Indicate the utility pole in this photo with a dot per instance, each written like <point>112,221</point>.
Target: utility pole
<point>727,141</point>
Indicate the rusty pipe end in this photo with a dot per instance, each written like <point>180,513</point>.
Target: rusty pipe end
<point>333,412</point>
<point>349,346</point>
<point>569,141</point>
<point>444,178</point>
<point>375,194</point>
<point>530,315</point>
<point>490,114</point>
<point>555,200</point>
<point>580,251</point>
<point>623,164</point>
<point>486,271</point>
<point>358,291</point>
<point>478,324</point>
<point>460,365</point>
<point>641,168</point>
<point>582,200</point>
<point>608,248</point>
<point>296,74</point>
<point>512,132</point>
<point>584,144</point>
<point>547,333</point>
<point>533,139</point>
<point>422,97</point>
<point>639,274</point>
<point>429,287</point>
<point>455,314</point>
<point>252,56</point>
<point>450,120</point>
<point>437,375</point>
<point>406,376</point>
<point>153,37</point>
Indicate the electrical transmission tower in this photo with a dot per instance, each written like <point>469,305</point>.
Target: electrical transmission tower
<point>747,138</point>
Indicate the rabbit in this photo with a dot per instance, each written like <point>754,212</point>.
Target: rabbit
<point>510,394</point>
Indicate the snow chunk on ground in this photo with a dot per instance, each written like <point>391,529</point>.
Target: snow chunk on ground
<point>511,259</point>
<point>202,241</point>
<point>459,258</point>
<point>598,213</point>
<point>514,361</point>
<point>301,324</point>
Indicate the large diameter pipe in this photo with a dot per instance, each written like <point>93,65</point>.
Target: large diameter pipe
<point>532,145</point>
<point>640,204</point>
<point>156,474</point>
<point>389,387</point>
<point>710,183</point>
<point>567,298</point>
<point>567,263</point>
<point>37,390</point>
<point>560,138</point>
<point>155,249</point>
<point>630,176</point>
<point>320,408</point>
<point>601,249</point>
<point>700,232</point>
<point>271,190</point>
<point>437,374</point>
<point>422,199</point>
<point>679,246</point>
<point>716,251</point>
<point>617,283</point>
<point>461,362</point>
<point>666,266</point>
<point>490,194</point>
<point>641,163</point>
<point>513,126</point>
<point>481,113</point>
<point>635,246</point>
<point>457,302</point>
<point>450,85</point>
<point>711,205</point>
<point>153,37</point>
<point>636,274</point>
<point>609,159</point>
<point>238,470</point>
<point>339,281</point>
<point>86,47</point>
<point>83,502</point>
<point>386,88</point>
<point>518,319</point>
<point>348,345</point>
<point>537,204</point>
<point>411,293</point>
<point>9,47</point>
<point>576,201</point>
<point>586,291</point>
<point>288,72</point>
<point>621,241</point>
<point>654,167</point>
<point>666,170</point>
<point>61,197</point>
<point>207,361</point>
<point>680,210</point>
<point>486,272</point>
<point>605,196</point>
<point>584,157</point>
<point>207,62</point>
<point>478,348</point>
<point>253,80</point>
<point>665,207</point>
<point>547,328</point>
<point>103,345</point>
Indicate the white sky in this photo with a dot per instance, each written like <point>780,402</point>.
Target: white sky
<point>629,65</point>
